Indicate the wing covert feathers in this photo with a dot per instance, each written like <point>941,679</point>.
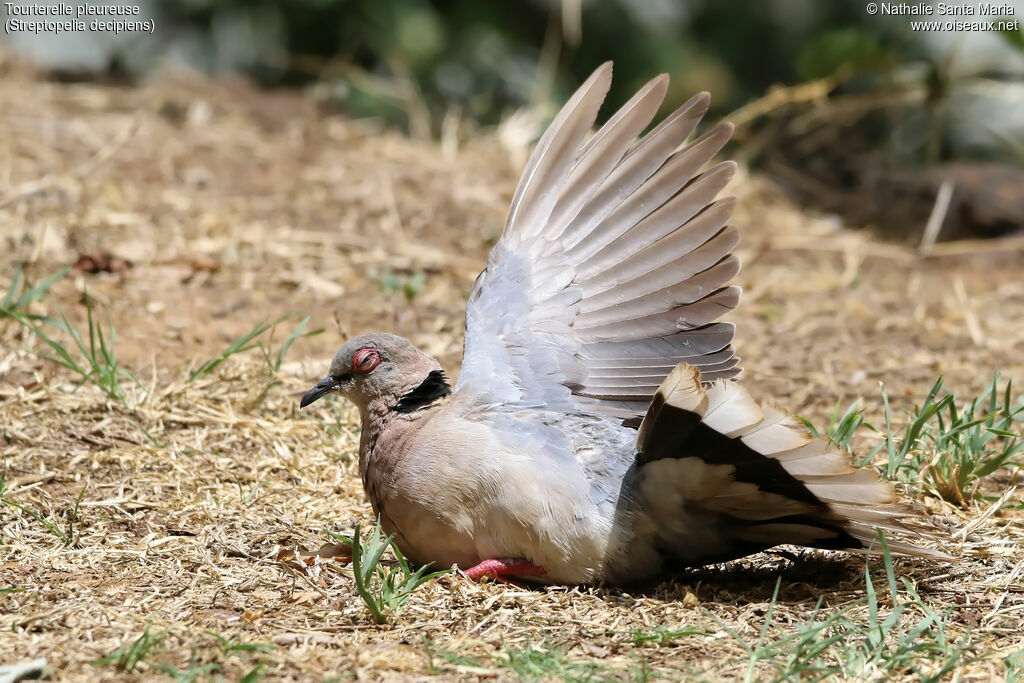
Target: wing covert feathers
<point>763,471</point>
<point>616,253</point>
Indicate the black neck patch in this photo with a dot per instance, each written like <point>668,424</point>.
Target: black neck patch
<point>432,389</point>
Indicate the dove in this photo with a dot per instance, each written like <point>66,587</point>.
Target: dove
<point>597,432</point>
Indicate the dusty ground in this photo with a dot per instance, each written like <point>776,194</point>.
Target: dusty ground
<point>222,208</point>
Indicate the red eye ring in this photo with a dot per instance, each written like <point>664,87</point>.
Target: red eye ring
<point>365,359</point>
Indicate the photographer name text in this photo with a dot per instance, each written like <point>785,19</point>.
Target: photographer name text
<point>944,9</point>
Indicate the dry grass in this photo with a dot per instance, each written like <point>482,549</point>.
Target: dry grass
<point>231,207</point>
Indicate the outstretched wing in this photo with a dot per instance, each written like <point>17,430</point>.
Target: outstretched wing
<point>613,264</point>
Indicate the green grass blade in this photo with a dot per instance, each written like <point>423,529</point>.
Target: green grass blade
<point>14,303</point>
<point>12,291</point>
<point>39,290</point>
<point>240,345</point>
<point>73,517</point>
<point>296,334</point>
<point>755,654</point>
<point>50,526</point>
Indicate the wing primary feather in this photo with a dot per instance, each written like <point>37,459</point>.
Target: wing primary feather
<point>639,164</point>
<point>685,317</point>
<point>603,151</point>
<point>613,365</point>
<point>662,186</point>
<point>647,298</point>
<point>680,244</point>
<point>554,156</point>
<point>708,339</point>
<point>674,273</point>
<point>663,221</point>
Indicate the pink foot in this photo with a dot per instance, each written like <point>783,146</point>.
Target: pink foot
<point>499,568</point>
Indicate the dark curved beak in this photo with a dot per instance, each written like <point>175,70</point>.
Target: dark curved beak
<point>323,387</point>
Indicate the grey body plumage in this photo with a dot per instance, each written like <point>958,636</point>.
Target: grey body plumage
<point>596,432</point>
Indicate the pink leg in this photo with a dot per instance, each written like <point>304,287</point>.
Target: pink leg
<point>499,568</point>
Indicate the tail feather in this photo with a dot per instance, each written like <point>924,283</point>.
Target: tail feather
<point>815,458</point>
<point>776,434</point>
<point>731,410</point>
<point>762,476</point>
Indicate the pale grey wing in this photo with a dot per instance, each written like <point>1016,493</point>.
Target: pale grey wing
<point>613,265</point>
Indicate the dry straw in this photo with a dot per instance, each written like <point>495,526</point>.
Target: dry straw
<point>225,208</point>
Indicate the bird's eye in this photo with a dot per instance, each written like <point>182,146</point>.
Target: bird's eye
<point>365,360</point>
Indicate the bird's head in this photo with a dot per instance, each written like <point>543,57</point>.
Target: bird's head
<point>385,368</point>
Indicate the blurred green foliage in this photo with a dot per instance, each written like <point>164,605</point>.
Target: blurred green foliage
<point>839,50</point>
<point>483,58</point>
<point>845,107</point>
<point>882,101</point>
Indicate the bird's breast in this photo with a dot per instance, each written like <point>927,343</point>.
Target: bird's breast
<point>459,491</point>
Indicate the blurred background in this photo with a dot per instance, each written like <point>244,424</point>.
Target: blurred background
<point>851,113</point>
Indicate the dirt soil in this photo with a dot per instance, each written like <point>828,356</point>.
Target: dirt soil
<point>193,211</point>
